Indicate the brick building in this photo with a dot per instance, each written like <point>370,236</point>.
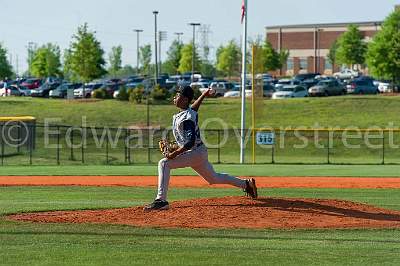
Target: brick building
<point>309,44</point>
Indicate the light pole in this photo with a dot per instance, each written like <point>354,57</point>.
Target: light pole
<point>155,47</point>
<point>193,46</point>
<point>162,36</point>
<point>137,49</point>
<point>31,47</point>
<point>179,34</point>
<point>319,50</point>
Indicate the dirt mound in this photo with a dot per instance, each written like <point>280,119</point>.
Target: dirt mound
<point>235,212</point>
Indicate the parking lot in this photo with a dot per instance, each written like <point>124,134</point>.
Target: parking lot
<point>301,85</point>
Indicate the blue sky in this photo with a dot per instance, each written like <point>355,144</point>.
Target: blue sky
<point>55,21</point>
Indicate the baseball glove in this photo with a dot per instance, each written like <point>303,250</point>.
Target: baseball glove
<point>167,147</point>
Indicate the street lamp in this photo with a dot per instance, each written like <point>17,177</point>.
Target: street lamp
<point>193,46</point>
<point>162,36</point>
<point>179,34</point>
<point>31,47</point>
<point>319,50</point>
<point>155,46</point>
<point>137,49</point>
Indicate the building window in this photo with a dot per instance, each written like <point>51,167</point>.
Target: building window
<point>303,64</point>
<point>328,64</point>
<point>289,64</point>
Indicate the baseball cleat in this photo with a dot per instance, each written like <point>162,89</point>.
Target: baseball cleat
<point>157,205</point>
<point>251,188</point>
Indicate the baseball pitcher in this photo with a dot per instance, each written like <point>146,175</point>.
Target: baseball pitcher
<point>189,151</point>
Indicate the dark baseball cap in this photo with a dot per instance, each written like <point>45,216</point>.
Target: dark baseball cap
<point>186,91</point>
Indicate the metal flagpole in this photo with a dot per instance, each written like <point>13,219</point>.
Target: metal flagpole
<point>244,52</point>
<point>253,101</point>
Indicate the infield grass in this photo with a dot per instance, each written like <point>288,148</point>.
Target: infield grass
<point>66,244</point>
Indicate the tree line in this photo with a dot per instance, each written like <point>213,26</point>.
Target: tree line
<point>84,60</point>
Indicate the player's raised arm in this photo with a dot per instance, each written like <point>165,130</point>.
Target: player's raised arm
<point>196,105</point>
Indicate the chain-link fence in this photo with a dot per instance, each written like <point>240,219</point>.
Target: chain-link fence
<point>30,144</point>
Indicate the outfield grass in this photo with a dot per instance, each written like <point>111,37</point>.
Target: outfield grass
<point>64,244</point>
<point>354,111</point>
<point>234,169</point>
<point>361,111</point>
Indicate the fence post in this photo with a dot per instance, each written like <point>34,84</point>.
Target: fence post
<point>107,150</point>
<point>19,138</point>
<point>30,143</point>
<point>329,144</point>
<point>126,145</point>
<point>383,147</point>
<point>83,141</point>
<point>58,145</point>
<point>148,146</point>
<point>72,144</point>
<point>129,148</point>
<point>219,146</point>
<point>2,145</point>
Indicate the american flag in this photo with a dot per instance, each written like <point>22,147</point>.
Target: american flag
<point>243,10</point>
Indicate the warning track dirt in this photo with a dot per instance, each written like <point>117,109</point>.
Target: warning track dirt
<point>196,181</point>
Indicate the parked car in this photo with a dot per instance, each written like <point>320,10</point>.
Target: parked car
<point>86,90</point>
<point>62,90</point>
<point>308,83</point>
<point>235,91</point>
<point>184,80</point>
<point>284,82</point>
<point>306,76</point>
<point>10,90</point>
<point>327,88</point>
<point>133,83</point>
<point>44,90</point>
<point>32,83</point>
<point>221,87</point>
<point>110,88</point>
<point>201,86</point>
<point>362,86</point>
<point>172,81</point>
<point>386,86</point>
<point>268,89</point>
<point>290,91</point>
<point>3,89</point>
<point>265,77</point>
<point>24,91</point>
<point>346,74</point>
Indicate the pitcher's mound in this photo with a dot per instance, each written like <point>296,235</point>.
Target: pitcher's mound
<point>235,212</point>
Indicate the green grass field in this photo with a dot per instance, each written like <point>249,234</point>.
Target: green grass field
<point>349,111</point>
<point>361,111</point>
<point>234,169</point>
<point>67,244</point>
<point>85,244</point>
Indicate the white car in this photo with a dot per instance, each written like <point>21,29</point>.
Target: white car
<point>346,74</point>
<point>89,87</point>
<point>283,82</point>
<point>202,86</point>
<point>221,87</point>
<point>290,91</point>
<point>235,92</point>
<point>3,91</point>
<point>385,87</point>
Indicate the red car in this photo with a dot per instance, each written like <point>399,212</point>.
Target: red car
<point>32,83</point>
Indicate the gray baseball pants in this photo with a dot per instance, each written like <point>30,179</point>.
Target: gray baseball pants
<point>197,159</point>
